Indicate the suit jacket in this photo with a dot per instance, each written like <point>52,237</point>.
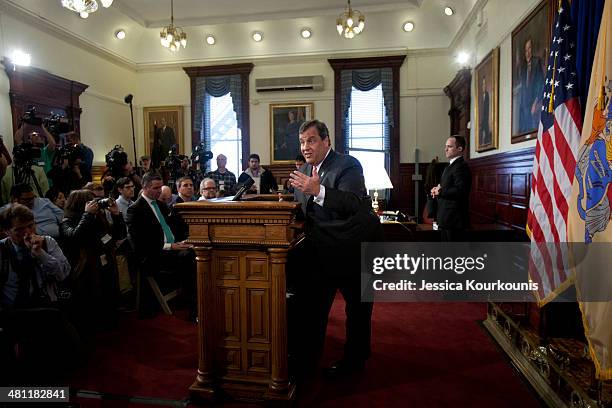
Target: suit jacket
<point>145,230</point>
<point>455,185</point>
<point>530,92</point>
<point>267,183</point>
<point>346,217</point>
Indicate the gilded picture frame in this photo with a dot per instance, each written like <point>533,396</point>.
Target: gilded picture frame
<point>486,103</point>
<point>530,45</point>
<point>285,121</point>
<point>165,137</point>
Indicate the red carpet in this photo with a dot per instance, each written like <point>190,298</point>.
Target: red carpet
<point>431,355</point>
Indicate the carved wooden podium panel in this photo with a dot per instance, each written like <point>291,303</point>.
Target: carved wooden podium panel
<point>241,252</point>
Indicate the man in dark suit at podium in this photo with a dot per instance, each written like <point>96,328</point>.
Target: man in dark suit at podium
<point>338,217</point>
<point>156,236</point>
<point>453,192</point>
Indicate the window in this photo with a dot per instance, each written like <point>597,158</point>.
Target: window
<point>225,137</point>
<point>368,128</point>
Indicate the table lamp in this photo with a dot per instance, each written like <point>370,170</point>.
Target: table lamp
<point>376,178</point>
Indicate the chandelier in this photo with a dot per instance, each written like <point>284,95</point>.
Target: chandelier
<point>85,7</point>
<point>351,22</point>
<point>173,37</point>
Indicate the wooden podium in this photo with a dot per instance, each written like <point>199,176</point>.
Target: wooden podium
<point>241,251</point>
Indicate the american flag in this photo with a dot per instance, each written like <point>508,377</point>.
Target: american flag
<point>554,163</point>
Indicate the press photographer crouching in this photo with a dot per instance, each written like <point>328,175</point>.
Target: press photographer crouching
<point>118,166</point>
<point>32,267</point>
<point>69,172</point>
<point>90,243</point>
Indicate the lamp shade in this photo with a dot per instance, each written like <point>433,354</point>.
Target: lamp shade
<point>376,178</point>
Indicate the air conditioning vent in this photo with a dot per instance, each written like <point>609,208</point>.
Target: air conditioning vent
<point>302,83</point>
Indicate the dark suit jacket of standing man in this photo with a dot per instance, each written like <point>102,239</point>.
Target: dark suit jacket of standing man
<point>334,233</point>
<point>164,139</point>
<point>455,185</point>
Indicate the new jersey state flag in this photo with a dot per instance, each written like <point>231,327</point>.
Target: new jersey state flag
<point>589,222</point>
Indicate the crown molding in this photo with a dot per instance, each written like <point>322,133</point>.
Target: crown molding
<point>293,58</point>
<point>57,31</point>
<point>467,23</point>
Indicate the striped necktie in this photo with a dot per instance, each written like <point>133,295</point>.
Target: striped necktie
<point>162,221</point>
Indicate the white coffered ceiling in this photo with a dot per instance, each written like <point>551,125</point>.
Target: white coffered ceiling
<point>233,21</point>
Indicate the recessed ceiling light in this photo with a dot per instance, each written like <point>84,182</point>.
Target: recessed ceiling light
<point>257,36</point>
<point>84,14</point>
<point>120,34</point>
<point>210,40</point>
<point>306,32</point>
<point>408,26</point>
<point>448,11</point>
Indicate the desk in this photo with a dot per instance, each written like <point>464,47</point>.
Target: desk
<point>413,232</point>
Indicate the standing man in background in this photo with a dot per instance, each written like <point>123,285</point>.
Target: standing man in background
<point>453,192</point>
<point>225,179</point>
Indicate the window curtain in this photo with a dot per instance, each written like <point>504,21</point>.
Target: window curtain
<point>215,86</point>
<point>366,80</point>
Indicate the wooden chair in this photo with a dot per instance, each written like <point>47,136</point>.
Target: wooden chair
<point>162,298</point>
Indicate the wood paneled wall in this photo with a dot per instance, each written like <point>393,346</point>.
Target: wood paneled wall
<point>500,188</point>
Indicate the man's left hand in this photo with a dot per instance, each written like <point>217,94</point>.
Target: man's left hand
<point>307,185</point>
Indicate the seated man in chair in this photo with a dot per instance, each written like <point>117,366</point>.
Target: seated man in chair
<point>31,267</point>
<point>157,239</point>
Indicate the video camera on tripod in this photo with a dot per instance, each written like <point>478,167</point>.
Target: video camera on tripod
<point>201,156</point>
<point>55,123</point>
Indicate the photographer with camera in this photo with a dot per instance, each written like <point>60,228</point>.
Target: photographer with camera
<point>51,127</point>
<point>24,169</point>
<point>86,154</point>
<point>90,244</point>
<point>118,166</point>
<point>69,171</point>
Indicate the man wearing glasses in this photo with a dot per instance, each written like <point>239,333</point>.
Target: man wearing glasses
<point>125,186</point>
<point>208,189</point>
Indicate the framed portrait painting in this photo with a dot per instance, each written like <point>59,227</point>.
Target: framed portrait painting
<point>163,127</point>
<point>486,103</point>
<point>530,42</point>
<point>285,122</point>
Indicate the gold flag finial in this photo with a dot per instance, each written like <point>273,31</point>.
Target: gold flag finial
<point>551,104</point>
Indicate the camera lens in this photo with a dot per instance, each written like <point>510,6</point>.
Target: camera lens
<point>104,203</point>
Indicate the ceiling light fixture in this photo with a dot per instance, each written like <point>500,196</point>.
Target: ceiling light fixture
<point>85,7</point>
<point>210,40</point>
<point>408,26</point>
<point>257,36</point>
<point>306,33</point>
<point>351,22</point>
<point>449,11</point>
<point>120,34</point>
<point>172,37</point>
